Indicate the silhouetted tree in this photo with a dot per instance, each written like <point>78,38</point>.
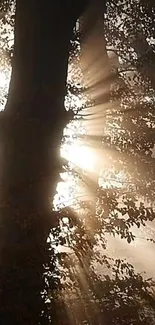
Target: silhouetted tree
<point>36,279</point>
<point>31,132</point>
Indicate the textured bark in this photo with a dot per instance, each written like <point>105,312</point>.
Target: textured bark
<point>34,120</point>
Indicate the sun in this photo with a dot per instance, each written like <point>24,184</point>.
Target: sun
<point>80,156</point>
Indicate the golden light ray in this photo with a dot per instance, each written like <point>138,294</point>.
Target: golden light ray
<point>81,295</point>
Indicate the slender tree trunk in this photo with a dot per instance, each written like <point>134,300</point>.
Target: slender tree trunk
<point>34,120</point>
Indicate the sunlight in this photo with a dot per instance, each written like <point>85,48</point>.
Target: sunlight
<point>65,192</point>
<point>74,102</point>
<point>80,156</point>
<point>3,79</point>
<point>4,84</point>
<point>109,178</point>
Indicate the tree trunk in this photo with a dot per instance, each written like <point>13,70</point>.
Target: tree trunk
<point>34,120</point>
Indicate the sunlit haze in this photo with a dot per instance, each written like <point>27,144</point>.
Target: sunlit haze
<point>89,157</point>
<point>79,155</point>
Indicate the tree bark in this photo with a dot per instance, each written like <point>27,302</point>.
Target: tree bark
<point>34,120</point>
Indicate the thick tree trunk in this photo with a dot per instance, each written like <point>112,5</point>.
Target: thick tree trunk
<point>34,121</point>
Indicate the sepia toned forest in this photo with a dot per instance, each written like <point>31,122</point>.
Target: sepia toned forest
<point>77,170</point>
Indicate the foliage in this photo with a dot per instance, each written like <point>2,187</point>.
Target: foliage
<point>72,291</point>
<point>129,138</point>
<point>133,118</point>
